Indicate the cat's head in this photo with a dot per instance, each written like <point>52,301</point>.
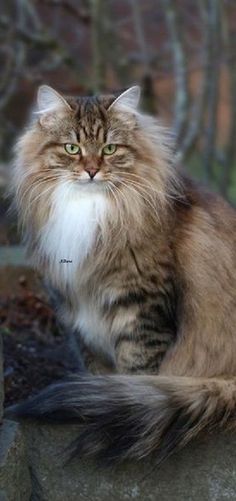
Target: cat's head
<point>87,145</point>
<point>89,140</point>
<point>94,140</point>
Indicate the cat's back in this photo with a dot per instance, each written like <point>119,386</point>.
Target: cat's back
<point>200,205</point>
<point>205,231</point>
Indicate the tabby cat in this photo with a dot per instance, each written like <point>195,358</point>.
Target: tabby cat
<point>145,262</point>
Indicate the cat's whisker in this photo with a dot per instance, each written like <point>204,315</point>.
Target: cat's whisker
<point>142,182</point>
<point>141,188</point>
<point>41,195</point>
<point>147,200</point>
<point>138,194</point>
<point>117,205</point>
<point>122,200</point>
<point>125,202</point>
<point>35,183</point>
<point>33,187</point>
<point>142,194</point>
<point>178,195</point>
<point>31,203</point>
<point>139,184</point>
<point>123,195</point>
<point>150,187</point>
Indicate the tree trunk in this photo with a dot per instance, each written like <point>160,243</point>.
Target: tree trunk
<point>173,21</point>
<point>213,14</point>
<point>98,39</point>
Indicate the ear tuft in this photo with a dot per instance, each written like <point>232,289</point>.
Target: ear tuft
<point>128,99</point>
<point>49,99</point>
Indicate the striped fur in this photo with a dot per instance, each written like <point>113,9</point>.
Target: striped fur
<point>152,284</point>
<point>131,417</point>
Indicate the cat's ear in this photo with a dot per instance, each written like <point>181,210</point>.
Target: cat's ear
<point>129,99</point>
<point>49,100</point>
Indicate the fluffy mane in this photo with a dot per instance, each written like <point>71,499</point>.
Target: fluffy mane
<point>64,219</point>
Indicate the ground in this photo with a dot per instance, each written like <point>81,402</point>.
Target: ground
<point>35,351</point>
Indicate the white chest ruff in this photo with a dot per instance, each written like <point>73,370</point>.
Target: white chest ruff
<point>76,218</point>
<point>101,331</point>
<point>93,329</point>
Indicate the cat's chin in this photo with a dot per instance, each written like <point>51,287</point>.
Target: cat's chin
<point>91,185</point>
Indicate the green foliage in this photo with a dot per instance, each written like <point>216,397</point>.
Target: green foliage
<point>195,167</point>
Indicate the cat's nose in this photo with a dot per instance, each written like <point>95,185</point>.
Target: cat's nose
<point>92,171</point>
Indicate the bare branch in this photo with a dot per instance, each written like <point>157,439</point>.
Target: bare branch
<point>81,14</point>
<point>230,153</point>
<point>42,40</point>
<point>98,13</point>
<point>213,19</point>
<point>180,67</point>
<point>139,30</point>
<point>196,114</point>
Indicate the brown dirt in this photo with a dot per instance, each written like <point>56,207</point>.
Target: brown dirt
<point>35,349</point>
<point>8,225</point>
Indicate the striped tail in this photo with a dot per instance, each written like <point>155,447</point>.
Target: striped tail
<point>133,416</point>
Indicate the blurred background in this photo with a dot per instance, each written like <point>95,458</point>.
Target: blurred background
<point>182,52</point>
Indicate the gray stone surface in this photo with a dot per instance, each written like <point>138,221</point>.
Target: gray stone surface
<point>1,380</point>
<point>15,482</point>
<point>204,471</point>
<point>13,255</point>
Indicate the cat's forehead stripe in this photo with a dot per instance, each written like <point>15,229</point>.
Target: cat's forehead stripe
<point>91,120</point>
<point>90,106</point>
<point>94,131</point>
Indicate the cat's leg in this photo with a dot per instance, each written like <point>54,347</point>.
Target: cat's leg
<point>141,354</point>
<point>91,361</point>
<point>141,347</point>
<point>82,357</point>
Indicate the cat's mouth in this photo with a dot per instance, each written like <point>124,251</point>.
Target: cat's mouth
<point>91,184</point>
<point>92,181</point>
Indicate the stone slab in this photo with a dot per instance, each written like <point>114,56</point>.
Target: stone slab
<point>1,379</point>
<point>15,481</point>
<point>205,470</point>
<point>14,255</point>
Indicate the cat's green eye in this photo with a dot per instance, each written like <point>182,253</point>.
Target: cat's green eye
<point>109,149</point>
<point>72,149</point>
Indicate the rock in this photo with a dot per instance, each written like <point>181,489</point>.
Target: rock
<point>15,482</point>
<point>4,175</point>
<point>10,280</point>
<point>205,470</point>
<point>1,379</point>
<point>13,255</point>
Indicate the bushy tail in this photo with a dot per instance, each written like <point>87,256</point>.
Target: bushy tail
<point>133,416</point>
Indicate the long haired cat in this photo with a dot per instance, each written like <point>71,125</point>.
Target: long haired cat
<point>146,264</point>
